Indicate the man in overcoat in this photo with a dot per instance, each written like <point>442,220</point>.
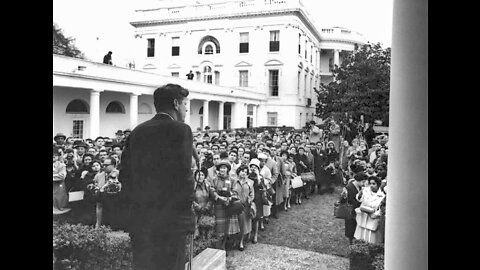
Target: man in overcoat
<point>157,183</point>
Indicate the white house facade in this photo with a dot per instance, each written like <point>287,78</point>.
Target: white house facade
<point>256,63</point>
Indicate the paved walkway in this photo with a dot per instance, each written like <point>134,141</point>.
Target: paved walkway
<point>265,257</point>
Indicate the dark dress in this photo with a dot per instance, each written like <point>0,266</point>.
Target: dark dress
<point>157,192</point>
<point>320,161</point>
<point>257,199</point>
<point>351,224</point>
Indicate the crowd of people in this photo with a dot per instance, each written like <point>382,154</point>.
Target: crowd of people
<point>243,178</point>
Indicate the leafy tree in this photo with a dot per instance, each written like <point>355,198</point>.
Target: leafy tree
<point>64,45</point>
<point>361,86</point>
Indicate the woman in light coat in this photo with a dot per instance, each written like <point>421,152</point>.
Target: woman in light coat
<point>368,214</point>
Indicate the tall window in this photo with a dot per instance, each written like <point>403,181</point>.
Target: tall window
<point>217,77</point>
<point>78,129</point>
<point>208,49</point>
<point>275,41</point>
<point>243,42</point>
<point>175,74</point>
<point>300,120</point>
<point>305,85</point>
<point>175,46</point>
<point>311,53</point>
<point>150,47</point>
<point>272,118</point>
<point>273,82</point>
<point>249,116</point>
<point>207,74</point>
<point>198,75</point>
<point>298,81</point>
<point>305,50</point>
<point>299,39</point>
<point>243,74</point>
<point>311,86</point>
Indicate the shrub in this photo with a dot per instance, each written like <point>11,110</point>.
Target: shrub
<point>363,254</point>
<point>379,262</point>
<point>77,246</point>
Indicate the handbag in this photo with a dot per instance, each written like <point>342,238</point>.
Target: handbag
<point>265,200</point>
<point>366,209</point>
<point>271,191</point>
<point>252,211</point>
<point>342,210</point>
<point>235,207</point>
<point>297,182</point>
<point>308,177</point>
<point>74,196</point>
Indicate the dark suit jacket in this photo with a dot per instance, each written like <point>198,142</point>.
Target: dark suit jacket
<point>156,176</point>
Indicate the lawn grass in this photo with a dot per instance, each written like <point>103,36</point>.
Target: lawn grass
<point>310,226</point>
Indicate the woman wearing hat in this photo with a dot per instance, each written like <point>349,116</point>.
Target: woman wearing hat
<point>331,168</point>
<point>258,188</point>
<point>221,192</point>
<point>244,189</point>
<point>202,205</point>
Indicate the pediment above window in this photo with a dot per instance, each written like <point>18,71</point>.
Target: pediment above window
<point>149,66</point>
<point>243,64</point>
<point>273,63</point>
<point>173,66</point>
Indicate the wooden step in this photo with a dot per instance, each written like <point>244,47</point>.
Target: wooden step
<point>210,259</point>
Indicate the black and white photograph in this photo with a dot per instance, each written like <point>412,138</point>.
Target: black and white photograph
<point>240,134</point>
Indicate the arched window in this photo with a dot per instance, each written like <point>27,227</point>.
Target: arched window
<point>144,108</point>
<point>209,49</point>
<point>205,39</point>
<point>77,106</point>
<point>115,107</point>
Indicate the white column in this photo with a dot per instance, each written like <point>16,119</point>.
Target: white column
<point>406,236</point>
<point>94,113</point>
<point>220,114</point>
<point>239,115</point>
<point>205,113</point>
<point>254,116</point>
<point>261,115</point>
<point>133,110</point>
<point>336,57</point>
<point>187,115</point>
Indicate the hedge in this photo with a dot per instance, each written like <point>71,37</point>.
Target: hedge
<point>366,256</point>
<point>78,246</point>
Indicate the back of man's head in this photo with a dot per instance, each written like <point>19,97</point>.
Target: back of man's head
<point>164,96</point>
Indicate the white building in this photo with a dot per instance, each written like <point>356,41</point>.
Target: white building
<point>256,63</point>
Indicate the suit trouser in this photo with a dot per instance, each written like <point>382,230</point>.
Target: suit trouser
<point>156,249</point>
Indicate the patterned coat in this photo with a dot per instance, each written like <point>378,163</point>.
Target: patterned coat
<point>219,183</point>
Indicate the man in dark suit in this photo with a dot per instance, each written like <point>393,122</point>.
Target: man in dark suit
<point>157,183</point>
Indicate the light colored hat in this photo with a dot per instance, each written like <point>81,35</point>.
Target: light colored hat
<point>255,162</point>
<point>331,142</point>
<point>262,156</point>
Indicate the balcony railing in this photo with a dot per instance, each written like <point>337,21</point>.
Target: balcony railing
<point>205,10</point>
<point>343,34</point>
